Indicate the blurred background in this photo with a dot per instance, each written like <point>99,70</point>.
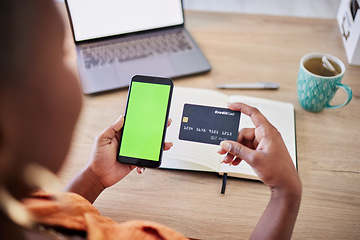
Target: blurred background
<point>296,8</point>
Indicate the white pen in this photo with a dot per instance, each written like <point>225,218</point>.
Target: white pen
<point>259,85</point>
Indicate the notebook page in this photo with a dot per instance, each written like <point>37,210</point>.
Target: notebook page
<point>200,156</point>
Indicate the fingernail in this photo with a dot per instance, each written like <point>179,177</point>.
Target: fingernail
<point>121,116</point>
<point>226,146</point>
<point>140,170</point>
<point>118,124</point>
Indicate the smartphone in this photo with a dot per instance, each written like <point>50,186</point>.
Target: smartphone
<point>145,121</point>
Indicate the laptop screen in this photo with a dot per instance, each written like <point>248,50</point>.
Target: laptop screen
<point>101,18</point>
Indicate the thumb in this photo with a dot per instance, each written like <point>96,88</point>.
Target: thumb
<point>109,133</point>
<point>238,150</point>
<point>118,124</point>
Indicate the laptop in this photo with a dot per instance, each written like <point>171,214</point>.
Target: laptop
<point>117,39</point>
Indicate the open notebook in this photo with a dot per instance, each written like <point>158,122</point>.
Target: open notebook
<point>186,155</point>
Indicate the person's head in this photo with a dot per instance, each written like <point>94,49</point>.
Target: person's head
<point>40,97</point>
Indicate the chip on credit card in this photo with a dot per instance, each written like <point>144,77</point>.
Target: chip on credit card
<point>210,125</point>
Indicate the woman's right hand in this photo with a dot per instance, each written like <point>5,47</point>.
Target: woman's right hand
<point>263,149</point>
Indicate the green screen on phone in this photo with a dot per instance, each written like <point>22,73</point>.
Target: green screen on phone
<point>144,121</point>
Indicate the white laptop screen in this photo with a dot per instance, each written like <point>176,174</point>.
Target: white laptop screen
<point>101,18</point>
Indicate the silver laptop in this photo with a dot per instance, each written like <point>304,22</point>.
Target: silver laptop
<point>117,39</point>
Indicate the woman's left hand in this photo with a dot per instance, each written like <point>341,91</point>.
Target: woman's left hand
<point>103,161</point>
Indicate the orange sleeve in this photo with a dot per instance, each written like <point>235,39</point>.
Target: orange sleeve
<point>73,212</point>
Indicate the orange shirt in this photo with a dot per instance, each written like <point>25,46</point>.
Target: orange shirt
<point>73,212</point>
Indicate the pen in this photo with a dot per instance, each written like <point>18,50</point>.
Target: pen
<point>259,85</point>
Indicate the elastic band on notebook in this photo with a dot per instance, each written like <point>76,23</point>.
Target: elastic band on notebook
<point>223,187</point>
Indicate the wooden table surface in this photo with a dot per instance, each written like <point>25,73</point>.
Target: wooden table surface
<point>243,48</point>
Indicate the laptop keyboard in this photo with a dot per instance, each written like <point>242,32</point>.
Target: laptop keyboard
<point>161,44</point>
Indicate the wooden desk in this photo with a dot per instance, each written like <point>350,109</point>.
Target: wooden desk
<point>244,48</point>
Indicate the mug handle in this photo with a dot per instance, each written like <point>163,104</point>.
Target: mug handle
<point>349,95</point>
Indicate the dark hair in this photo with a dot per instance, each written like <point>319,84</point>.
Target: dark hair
<point>17,21</point>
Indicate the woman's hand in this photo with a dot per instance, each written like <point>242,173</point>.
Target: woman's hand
<point>103,161</point>
<point>103,170</point>
<point>264,150</point>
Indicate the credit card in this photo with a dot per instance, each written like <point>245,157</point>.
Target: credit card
<point>210,125</point>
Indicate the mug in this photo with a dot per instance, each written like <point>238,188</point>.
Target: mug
<point>316,91</point>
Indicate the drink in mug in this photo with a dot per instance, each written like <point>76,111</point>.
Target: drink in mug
<point>317,84</point>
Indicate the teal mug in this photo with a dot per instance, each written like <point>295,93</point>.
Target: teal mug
<point>315,90</point>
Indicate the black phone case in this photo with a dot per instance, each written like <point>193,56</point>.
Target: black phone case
<point>144,162</point>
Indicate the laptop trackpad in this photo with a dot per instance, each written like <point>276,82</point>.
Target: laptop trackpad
<point>100,79</point>
<point>159,67</point>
